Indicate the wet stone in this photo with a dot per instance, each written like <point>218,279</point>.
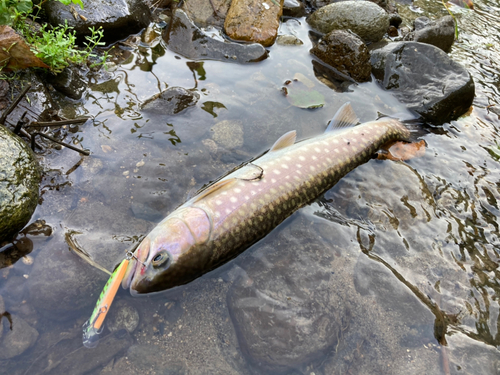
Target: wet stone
<point>172,101</point>
<point>364,18</point>
<point>282,308</point>
<point>71,82</point>
<point>425,79</point>
<point>186,39</point>
<point>345,52</point>
<point>118,18</point>
<point>19,180</point>
<point>228,134</point>
<point>254,20</point>
<point>294,8</point>
<point>288,40</point>
<point>122,316</point>
<point>439,33</point>
<point>17,340</point>
<point>151,356</point>
<point>202,13</point>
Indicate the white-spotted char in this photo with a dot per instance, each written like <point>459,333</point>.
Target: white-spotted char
<point>241,208</point>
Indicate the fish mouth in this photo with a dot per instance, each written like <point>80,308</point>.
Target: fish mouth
<point>136,268</point>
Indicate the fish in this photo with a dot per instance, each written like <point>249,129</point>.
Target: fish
<point>226,218</point>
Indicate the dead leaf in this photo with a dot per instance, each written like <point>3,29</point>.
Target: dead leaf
<point>399,151</point>
<point>15,54</point>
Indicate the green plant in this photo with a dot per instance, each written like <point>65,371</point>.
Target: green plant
<point>11,10</point>
<point>56,47</point>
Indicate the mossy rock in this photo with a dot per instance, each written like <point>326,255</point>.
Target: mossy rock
<point>19,181</point>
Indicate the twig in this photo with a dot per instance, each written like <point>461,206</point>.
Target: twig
<point>14,104</point>
<point>40,124</point>
<point>19,125</point>
<point>84,152</point>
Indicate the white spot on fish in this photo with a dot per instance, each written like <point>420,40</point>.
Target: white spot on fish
<point>329,160</point>
<point>312,168</point>
<point>337,150</point>
<point>273,191</point>
<point>302,158</point>
<point>217,214</point>
<point>233,199</point>
<point>326,150</point>
<point>247,197</point>
<point>218,202</point>
<point>317,149</point>
<point>314,158</point>
<point>273,180</point>
<point>224,193</point>
<point>299,165</point>
<point>355,131</point>
<point>228,211</point>
<point>284,166</point>
<point>253,192</point>
<point>276,171</point>
<point>288,158</point>
<point>237,190</point>
<point>336,141</point>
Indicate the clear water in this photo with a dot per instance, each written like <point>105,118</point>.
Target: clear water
<point>413,247</point>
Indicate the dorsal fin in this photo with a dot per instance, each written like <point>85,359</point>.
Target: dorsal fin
<point>345,117</point>
<point>213,188</point>
<point>285,140</point>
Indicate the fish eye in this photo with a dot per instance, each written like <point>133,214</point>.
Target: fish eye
<point>160,259</point>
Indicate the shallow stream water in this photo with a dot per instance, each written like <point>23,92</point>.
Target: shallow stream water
<point>405,264</point>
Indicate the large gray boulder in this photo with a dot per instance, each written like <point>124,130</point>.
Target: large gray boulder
<point>186,39</point>
<point>364,18</point>
<point>118,18</point>
<point>19,180</point>
<point>425,78</point>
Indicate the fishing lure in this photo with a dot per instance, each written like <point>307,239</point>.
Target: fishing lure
<point>93,327</point>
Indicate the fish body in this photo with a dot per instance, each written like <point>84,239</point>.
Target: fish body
<point>240,209</point>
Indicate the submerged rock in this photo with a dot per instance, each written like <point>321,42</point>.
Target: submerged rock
<point>228,134</point>
<point>288,40</point>
<point>172,101</point>
<point>202,13</point>
<point>345,52</point>
<point>425,78</point>
<point>122,316</point>
<point>254,20</point>
<point>364,18</point>
<point>17,338</point>
<point>439,33</point>
<point>186,39</point>
<point>19,180</point>
<point>118,18</point>
<point>282,308</point>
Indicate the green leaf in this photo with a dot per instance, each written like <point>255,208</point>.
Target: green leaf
<point>299,95</point>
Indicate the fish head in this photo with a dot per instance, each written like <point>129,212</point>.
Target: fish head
<point>167,257</point>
